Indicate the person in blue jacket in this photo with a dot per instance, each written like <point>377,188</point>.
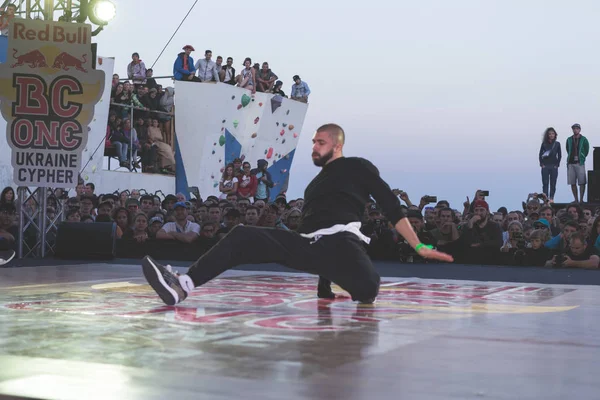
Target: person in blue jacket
<point>183,68</point>
<point>550,156</point>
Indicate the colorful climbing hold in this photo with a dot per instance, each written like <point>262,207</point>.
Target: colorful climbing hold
<point>220,161</point>
<point>287,157</point>
<point>254,135</point>
<point>283,171</point>
<point>270,153</point>
<point>277,123</point>
<point>283,141</point>
<point>245,100</point>
<point>288,112</point>
<point>243,157</point>
<point>233,97</point>
<point>224,120</point>
<point>222,140</point>
<point>266,151</point>
<point>87,177</point>
<point>213,152</point>
<point>222,129</point>
<point>215,184</point>
<point>260,104</point>
<point>235,123</point>
<point>215,143</point>
<point>256,120</point>
<point>239,106</point>
<point>284,124</point>
<point>295,135</point>
<point>291,127</point>
<point>212,177</point>
<point>222,169</point>
<point>282,132</point>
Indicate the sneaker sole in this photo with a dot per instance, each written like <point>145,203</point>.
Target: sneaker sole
<point>3,261</point>
<point>157,282</point>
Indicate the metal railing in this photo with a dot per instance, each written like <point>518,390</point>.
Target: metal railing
<point>132,109</point>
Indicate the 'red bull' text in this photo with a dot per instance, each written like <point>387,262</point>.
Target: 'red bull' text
<point>55,33</point>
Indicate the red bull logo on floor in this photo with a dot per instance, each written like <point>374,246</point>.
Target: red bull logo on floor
<point>48,92</point>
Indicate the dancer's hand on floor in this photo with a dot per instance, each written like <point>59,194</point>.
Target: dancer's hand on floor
<point>435,255</point>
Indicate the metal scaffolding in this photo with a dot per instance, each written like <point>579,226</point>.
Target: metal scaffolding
<point>37,228</point>
<point>53,10</point>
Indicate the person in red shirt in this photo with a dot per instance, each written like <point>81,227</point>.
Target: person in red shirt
<point>247,183</point>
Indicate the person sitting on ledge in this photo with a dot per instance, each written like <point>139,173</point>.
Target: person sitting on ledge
<point>183,68</point>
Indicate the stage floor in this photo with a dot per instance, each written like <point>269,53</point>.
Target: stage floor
<point>98,331</point>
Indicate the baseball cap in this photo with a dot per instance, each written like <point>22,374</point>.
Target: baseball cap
<point>374,208</point>
<point>481,203</point>
<point>132,201</point>
<point>179,204</point>
<point>541,223</point>
<point>156,219</point>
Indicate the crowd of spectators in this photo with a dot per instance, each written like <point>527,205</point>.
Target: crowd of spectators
<point>139,125</point>
<point>537,235</point>
<point>252,76</point>
<point>140,132</point>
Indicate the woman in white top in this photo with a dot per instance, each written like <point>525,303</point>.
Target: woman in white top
<point>247,77</point>
<point>514,238</point>
<point>229,183</point>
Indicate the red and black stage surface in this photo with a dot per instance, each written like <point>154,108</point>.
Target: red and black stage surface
<point>97,331</point>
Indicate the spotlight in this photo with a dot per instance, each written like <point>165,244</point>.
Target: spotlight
<point>101,11</point>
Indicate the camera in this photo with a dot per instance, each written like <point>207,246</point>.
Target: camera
<point>517,235</point>
<point>560,259</point>
<point>484,193</point>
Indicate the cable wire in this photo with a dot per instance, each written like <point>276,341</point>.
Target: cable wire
<point>174,33</point>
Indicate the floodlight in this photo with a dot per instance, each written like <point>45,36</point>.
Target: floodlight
<point>101,11</point>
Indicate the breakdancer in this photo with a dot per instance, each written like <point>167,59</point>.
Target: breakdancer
<point>328,243</point>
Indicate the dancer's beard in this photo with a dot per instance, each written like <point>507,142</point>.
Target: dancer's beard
<point>321,160</point>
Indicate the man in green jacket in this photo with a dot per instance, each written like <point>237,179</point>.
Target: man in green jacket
<point>578,148</point>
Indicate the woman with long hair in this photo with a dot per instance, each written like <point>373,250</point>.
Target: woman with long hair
<point>166,156</point>
<point>229,182</point>
<point>550,155</point>
<point>7,196</point>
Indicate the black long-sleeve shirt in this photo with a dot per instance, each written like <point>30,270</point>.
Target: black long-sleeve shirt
<point>339,193</point>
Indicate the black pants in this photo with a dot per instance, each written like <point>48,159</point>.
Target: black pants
<point>194,79</point>
<point>341,257</point>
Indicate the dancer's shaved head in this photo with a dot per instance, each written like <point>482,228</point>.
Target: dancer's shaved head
<point>328,142</point>
<point>335,132</point>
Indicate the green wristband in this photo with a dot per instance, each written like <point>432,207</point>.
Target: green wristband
<point>421,245</point>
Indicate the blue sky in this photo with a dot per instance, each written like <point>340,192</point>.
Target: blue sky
<point>445,97</point>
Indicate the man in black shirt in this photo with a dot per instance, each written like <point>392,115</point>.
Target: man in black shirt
<point>328,242</point>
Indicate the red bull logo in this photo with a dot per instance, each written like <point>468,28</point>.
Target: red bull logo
<point>66,61</point>
<point>34,58</point>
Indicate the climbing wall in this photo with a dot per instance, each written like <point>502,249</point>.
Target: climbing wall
<point>217,123</point>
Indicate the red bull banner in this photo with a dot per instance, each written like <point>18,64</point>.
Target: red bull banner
<point>48,90</point>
